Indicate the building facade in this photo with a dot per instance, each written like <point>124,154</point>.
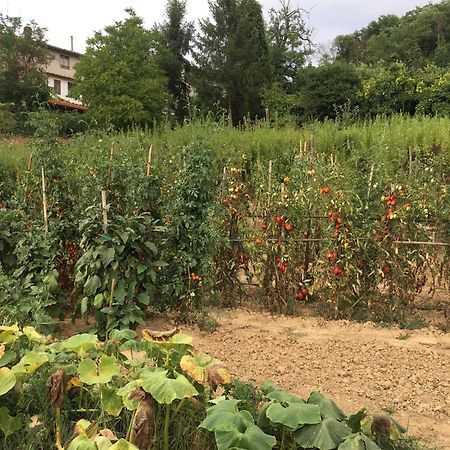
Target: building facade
<point>60,75</point>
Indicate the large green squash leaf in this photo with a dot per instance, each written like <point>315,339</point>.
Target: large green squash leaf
<point>82,443</point>
<point>358,441</point>
<point>328,409</point>
<point>91,373</point>
<point>326,435</point>
<point>253,438</point>
<point>293,415</point>
<point>111,401</point>
<point>166,390</point>
<point>8,334</point>
<point>7,357</point>
<point>122,444</point>
<point>34,336</point>
<point>80,343</point>
<point>29,363</point>
<point>7,380</point>
<point>9,424</point>
<point>284,397</point>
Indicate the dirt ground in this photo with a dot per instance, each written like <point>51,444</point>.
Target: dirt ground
<point>406,373</point>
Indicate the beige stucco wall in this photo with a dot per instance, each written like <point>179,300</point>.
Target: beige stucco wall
<point>55,68</point>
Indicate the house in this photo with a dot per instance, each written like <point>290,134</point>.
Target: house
<point>60,74</point>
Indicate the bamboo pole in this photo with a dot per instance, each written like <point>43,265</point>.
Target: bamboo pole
<point>44,201</point>
<point>29,167</point>
<point>104,210</point>
<point>149,159</point>
<point>369,186</point>
<point>269,184</point>
<point>410,159</point>
<point>111,154</point>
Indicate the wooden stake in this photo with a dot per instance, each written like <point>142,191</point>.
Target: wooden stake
<point>111,296</point>
<point>29,167</point>
<point>224,173</point>
<point>301,149</point>
<point>312,147</point>
<point>149,159</point>
<point>30,162</point>
<point>369,187</point>
<point>111,154</point>
<point>410,157</point>
<point>104,210</point>
<point>269,184</point>
<point>44,201</point>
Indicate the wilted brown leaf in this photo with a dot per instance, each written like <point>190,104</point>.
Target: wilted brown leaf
<point>108,434</point>
<point>137,394</point>
<point>56,385</point>
<point>152,335</point>
<point>143,424</point>
<point>34,421</point>
<point>218,374</point>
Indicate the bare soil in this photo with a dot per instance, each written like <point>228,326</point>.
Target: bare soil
<point>406,373</point>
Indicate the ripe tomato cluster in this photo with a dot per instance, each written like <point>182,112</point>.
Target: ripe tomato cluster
<point>285,223</point>
<point>282,264</point>
<point>302,294</point>
<point>195,277</point>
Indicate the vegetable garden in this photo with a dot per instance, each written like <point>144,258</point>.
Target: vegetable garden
<point>350,218</point>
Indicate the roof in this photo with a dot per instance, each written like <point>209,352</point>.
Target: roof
<point>63,50</point>
<point>67,104</point>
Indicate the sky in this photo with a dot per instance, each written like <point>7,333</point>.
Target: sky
<point>80,19</point>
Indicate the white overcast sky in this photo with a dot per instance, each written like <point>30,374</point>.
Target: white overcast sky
<point>81,18</point>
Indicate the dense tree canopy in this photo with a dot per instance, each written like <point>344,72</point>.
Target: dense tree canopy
<point>232,58</point>
<point>120,77</point>
<point>419,38</point>
<point>176,36</point>
<point>22,60</point>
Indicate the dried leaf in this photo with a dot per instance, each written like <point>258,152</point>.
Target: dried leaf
<point>56,385</point>
<point>73,383</point>
<point>218,374</point>
<point>158,335</point>
<point>108,434</point>
<point>34,421</point>
<point>143,424</point>
<point>137,394</point>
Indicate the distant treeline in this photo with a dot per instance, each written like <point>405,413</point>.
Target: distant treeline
<point>233,65</point>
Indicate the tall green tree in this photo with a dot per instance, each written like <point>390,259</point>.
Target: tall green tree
<point>214,86</point>
<point>232,57</point>
<point>22,61</point>
<point>289,41</point>
<point>325,89</point>
<point>120,77</point>
<point>176,35</point>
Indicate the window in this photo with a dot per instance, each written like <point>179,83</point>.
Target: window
<point>64,61</point>
<point>70,86</point>
<point>57,86</point>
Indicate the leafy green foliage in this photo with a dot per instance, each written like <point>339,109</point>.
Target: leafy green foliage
<point>176,36</point>
<point>417,39</point>
<point>22,59</point>
<point>117,271</point>
<point>192,241</point>
<point>119,76</point>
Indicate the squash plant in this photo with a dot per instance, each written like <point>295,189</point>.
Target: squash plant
<point>116,395</point>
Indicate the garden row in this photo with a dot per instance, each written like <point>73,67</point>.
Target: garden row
<point>103,226</point>
<point>157,392</point>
